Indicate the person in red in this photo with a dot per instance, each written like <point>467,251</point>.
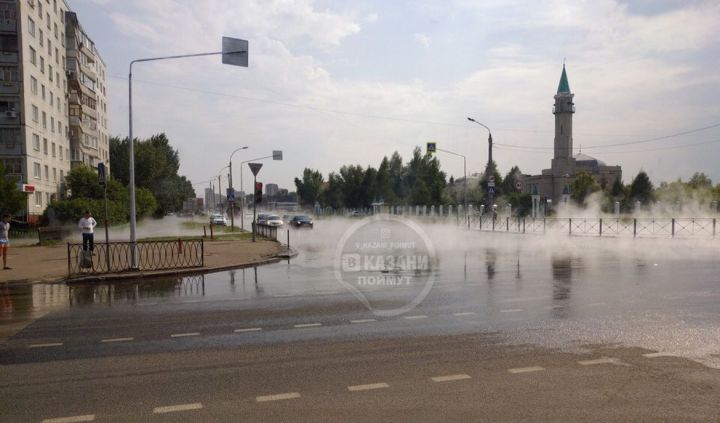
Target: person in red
<point>5,239</point>
<point>87,225</point>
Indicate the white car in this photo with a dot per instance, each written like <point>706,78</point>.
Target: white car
<point>218,219</point>
<point>274,220</point>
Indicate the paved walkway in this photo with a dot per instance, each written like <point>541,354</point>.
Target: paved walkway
<point>49,264</point>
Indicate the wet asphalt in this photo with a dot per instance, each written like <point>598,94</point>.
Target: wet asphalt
<point>230,345</point>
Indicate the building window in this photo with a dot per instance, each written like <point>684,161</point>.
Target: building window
<point>55,30</point>
<point>59,127</point>
<point>52,99</point>
<point>53,149</point>
<point>45,146</point>
<point>36,170</point>
<point>35,114</point>
<point>42,90</point>
<point>57,56</point>
<point>54,175</point>
<point>47,173</point>
<point>42,37</point>
<point>52,125</point>
<point>31,27</point>
<point>36,142</point>
<point>44,120</point>
<point>61,157</point>
<point>33,56</point>
<point>49,48</point>
<point>50,72</point>
<point>62,174</point>
<point>33,85</point>
<point>42,64</point>
<point>38,198</point>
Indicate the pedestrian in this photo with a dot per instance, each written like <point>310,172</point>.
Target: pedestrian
<point>87,224</point>
<point>5,239</point>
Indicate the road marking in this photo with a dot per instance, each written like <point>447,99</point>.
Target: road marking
<point>117,340</point>
<point>555,307</point>
<point>526,369</point>
<point>277,397</point>
<point>603,360</point>
<point>418,316</point>
<point>658,354</point>
<point>50,344</point>
<point>368,387</point>
<point>363,321</point>
<point>308,325</point>
<point>194,301</point>
<point>179,407</point>
<point>450,378</point>
<point>511,310</point>
<point>465,313</point>
<point>247,330</point>
<point>72,419</point>
<point>182,335</point>
<point>283,295</point>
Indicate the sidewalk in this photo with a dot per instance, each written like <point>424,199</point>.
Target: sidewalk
<point>49,264</point>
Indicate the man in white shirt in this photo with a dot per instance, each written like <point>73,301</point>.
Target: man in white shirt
<point>87,224</point>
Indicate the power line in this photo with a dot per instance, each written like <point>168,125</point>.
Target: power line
<point>671,147</point>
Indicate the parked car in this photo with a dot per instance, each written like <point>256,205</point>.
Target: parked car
<point>301,221</point>
<point>286,218</point>
<point>274,220</point>
<point>218,219</point>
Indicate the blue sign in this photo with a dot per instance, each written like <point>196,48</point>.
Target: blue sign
<point>231,194</point>
<point>491,190</point>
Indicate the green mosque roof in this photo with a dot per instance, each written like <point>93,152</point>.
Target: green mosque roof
<point>564,86</point>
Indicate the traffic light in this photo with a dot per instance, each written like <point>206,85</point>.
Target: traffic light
<point>258,192</point>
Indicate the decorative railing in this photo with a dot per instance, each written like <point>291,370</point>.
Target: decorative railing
<point>266,231</point>
<point>680,227</point>
<point>116,257</point>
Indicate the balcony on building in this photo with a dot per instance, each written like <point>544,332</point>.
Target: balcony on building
<point>8,48</point>
<point>9,114</point>
<point>8,17</point>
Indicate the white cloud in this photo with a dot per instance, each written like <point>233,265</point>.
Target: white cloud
<point>423,40</point>
<point>371,18</point>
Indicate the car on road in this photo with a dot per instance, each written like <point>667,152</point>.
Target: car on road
<point>274,220</point>
<point>302,221</point>
<point>262,218</point>
<point>218,219</point>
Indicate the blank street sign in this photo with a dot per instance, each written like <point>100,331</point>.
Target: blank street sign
<point>277,155</point>
<point>234,51</point>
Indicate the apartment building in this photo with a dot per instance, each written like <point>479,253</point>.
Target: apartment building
<point>35,130</point>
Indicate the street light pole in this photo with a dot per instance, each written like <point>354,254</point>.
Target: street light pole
<point>234,52</point>
<point>232,205</point>
<point>491,195</point>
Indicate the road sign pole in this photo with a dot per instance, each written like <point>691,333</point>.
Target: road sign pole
<point>254,224</point>
<point>232,205</point>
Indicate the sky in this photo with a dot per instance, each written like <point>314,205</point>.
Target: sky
<point>347,82</point>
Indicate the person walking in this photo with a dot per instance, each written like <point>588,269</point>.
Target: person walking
<point>5,239</point>
<point>87,224</point>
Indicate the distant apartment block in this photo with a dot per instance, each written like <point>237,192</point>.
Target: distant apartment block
<point>45,58</point>
<point>271,190</point>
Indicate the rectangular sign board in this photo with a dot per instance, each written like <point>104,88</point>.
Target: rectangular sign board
<point>277,155</point>
<point>235,51</point>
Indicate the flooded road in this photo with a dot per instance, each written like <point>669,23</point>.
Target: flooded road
<point>562,292</point>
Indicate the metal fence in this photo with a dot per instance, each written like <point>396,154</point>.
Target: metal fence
<point>266,231</point>
<point>631,227</point>
<point>115,257</point>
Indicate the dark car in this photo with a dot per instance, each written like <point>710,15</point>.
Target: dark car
<point>301,221</point>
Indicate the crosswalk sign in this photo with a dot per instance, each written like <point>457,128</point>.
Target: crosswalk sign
<point>431,147</point>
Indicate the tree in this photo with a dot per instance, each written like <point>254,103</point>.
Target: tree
<point>583,185</point>
<point>641,189</point>
<point>509,183</point>
<point>11,199</point>
<point>700,181</point>
<point>308,189</point>
<point>617,189</point>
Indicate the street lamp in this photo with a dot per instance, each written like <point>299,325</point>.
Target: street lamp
<point>232,204</point>
<point>220,187</point>
<point>491,194</point>
<point>234,52</point>
<point>464,175</point>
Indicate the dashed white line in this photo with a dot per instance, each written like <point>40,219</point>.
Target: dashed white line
<point>450,378</point>
<point>183,335</point>
<point>176,408</point>
<point>277,397</point>
<point>49,344</point>
<point>247,330</point>
<point>368,387</point>
<point>526,369</point>
<point>71,419</point>
<point>307,325</point>
<point>417,316</point>
<point>465,313</point>
<point>363,321</point>
<point>658,354</point>
<point>602,360</point>
<point>511,310</point>
<point>109,340</point>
